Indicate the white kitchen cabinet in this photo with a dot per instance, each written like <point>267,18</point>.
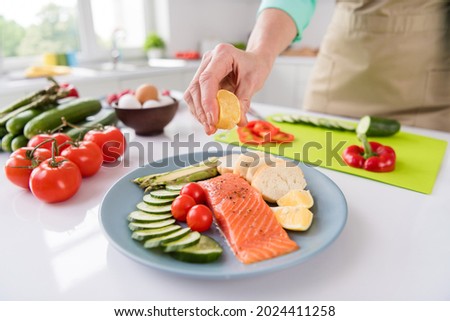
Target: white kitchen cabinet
<point>286,83</point>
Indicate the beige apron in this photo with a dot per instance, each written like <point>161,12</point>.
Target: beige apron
<point>388,58</point>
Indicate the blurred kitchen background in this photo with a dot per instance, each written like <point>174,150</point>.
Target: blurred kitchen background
<point>102,46</point>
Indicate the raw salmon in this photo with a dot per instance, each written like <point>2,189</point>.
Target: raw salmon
<point>247,222</point>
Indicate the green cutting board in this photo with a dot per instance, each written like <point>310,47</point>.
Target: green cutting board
<point>419,157</point>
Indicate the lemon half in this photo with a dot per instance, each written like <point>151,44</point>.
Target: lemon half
<point>295,218</point>
<point>229,109</point>
<point>297,197</point>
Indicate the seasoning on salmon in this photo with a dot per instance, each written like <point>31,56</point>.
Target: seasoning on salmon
<point>248,223</point>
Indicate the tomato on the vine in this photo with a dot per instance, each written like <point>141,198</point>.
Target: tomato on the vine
<point>195,191</point>
<point>181,206</point>
<point>110,140</point>
<point>199,218</point>
<point>55,180</point>
<point>20,164</point>
<point>86,155</point>
<point>60,138</point>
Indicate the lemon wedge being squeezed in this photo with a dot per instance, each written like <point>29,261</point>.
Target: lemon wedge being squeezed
<point>229,109</point>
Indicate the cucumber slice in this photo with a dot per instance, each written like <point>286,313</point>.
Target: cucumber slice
<point>176,187</point>
<point>162,193</point>
<point>149,225</point>
<point>287,119</point>
<point>154,209</point>
<point>205,251</point>
<point>147,217</point>
<point>157,201</point>
<point>157,232</point>
<point>377,127</point>
<point>155,242</point>
<point>187,240</point>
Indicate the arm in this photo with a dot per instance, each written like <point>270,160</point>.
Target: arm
<point>242,72</point>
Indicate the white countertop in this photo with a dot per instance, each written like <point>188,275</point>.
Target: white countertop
<point>395,245</point>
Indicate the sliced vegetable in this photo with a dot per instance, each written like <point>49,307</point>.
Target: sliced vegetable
<point>260,132</point>
<point>205,251</point>
<point>141,235</point>
<point>156,241</point>
<point>147,217</point>
<point>187,240</point>
<point>377,127</point>
<point>165,194</point>
<point>149,199</point>
<point>150,225</point>
<point>368,125</point>
<point>153,209</point>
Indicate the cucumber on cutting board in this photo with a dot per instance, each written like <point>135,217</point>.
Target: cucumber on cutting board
<point>377,127</point>
<point>368,125</point>
<point>205,251</point>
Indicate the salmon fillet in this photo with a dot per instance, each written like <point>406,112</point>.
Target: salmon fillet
<point>248,223</point>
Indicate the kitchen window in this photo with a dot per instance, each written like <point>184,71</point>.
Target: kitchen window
<point>90,28</point>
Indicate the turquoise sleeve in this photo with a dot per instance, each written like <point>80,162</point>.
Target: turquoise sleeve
<point>300,11</point>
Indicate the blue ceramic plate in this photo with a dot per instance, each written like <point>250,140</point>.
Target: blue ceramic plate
<point>330,215</point>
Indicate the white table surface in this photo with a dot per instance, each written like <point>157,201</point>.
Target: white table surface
<point>395,245</point>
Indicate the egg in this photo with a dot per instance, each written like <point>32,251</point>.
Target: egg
<point>129,101</point>
<point>151,103</point>
<point>146,92</point>
<point>165,100</point>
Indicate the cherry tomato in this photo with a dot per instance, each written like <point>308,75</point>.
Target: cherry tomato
<point>181,206</point>
<point>55,180</point>
<point>195,191</point>
<point>199,218</point>
<point>86,155</point>
<point>110,140</point>
<point>20,164</point>
<point>60,138</point>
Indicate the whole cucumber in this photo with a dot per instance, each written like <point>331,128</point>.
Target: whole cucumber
<point>73,112</point>
<point>6,142</point>
<point>103,118</point>
<point>18,142</point>
<point>16,124</point>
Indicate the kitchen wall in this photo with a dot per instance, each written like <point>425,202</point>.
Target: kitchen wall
<point>192,21</point>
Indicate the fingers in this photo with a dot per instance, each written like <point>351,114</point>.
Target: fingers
<point>201,93</point>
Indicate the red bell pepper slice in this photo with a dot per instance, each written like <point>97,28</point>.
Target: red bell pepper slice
<point>373,157</point>
<point>258,132</point>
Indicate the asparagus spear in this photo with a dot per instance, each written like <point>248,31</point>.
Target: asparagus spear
<point>193,173</point>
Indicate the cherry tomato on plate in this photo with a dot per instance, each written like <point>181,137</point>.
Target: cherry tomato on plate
<point>20,164</point>
<point>60,138</point>
<point>55,180</point>
<point>86,155</point>
<point>199,218</point>
<point>181,206</point>
<point>110,140</point>
<point>195,191</point>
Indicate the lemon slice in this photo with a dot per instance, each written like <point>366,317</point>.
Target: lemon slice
<point>297,197</point>
<point>229,109</point>
<point>295,218</point>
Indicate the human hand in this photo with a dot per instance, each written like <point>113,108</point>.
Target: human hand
<point>225,67</point>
